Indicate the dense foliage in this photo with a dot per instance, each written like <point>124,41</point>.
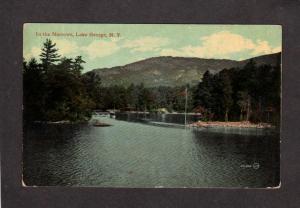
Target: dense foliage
<point>55,89</point>
<point>250,93</point>
<point>140,98</point>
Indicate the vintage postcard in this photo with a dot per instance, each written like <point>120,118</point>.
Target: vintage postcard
<point>151,105</point>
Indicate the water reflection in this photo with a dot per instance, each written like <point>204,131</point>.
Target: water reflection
<point>138,155</point>
<point>231,158</point>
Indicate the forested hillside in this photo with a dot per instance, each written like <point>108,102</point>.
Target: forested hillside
<point>55,89</point>
<point>172,71</point>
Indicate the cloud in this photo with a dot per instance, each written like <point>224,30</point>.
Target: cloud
<point>224,43</point>
<point>33,53</point>
<point>172,52</point>
<point>98,49</point>
<point>221,45</point>
<point>95,49</point>
<point>147,43</point>
<point>66,47</point>
<point>276,49</point>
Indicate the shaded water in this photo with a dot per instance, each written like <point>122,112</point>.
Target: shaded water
<point>177,118</point>
<point>139,155</point>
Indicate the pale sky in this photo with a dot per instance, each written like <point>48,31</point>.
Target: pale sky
<point>141,41</point>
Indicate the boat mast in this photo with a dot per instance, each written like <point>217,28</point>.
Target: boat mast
<point>185,106</point>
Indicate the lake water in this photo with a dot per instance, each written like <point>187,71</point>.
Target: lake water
<point>134,154</point>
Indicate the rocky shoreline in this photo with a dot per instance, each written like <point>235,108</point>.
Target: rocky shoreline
<point>60,122</point>
<point>237,124</point>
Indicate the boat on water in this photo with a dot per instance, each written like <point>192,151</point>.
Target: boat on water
<point>164,124</point>
<point>100,124</point>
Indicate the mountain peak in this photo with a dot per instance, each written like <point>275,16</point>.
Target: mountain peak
<point>171,71</point>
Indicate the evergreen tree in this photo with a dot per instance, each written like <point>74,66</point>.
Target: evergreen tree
<point>34,91</point>
<point>92,83</point>
<point>204,95</point>
<point>63,93</point>
<point>49,54</point>
<point>65,63</point>
<point>59,94</point>
<point>77,64</point>
<point>133,96</point>
<point>244,104</point>
<point>226,92</point>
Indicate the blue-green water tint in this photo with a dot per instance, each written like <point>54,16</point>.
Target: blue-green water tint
<point>139,155</point>
<point>177,118</point>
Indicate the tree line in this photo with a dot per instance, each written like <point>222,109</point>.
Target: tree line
<point>250,93</point>
<point>55,89</point>
<point>141,98</point>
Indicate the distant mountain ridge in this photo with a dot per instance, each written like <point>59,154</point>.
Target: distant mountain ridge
<point>171,71</point>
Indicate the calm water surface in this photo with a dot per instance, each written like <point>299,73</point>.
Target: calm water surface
<point>132,154</point>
